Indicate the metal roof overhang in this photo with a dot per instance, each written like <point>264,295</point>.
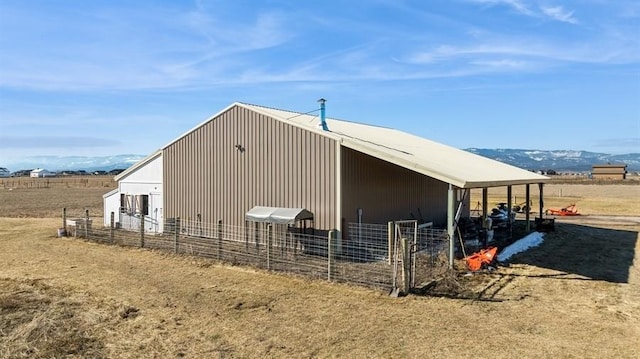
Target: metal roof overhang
<point>278,215</point>
<point>494,177</point>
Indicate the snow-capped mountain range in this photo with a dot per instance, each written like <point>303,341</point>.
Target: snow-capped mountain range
<point>558,160</point>
<point>74,163</point>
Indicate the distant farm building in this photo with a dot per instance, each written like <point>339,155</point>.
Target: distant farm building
<point>4,172</point>
<point>40,172</point>
<point>341,172</point>
<point>609,171</point>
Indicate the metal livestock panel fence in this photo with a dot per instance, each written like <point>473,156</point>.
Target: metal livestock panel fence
<point>279,248</point>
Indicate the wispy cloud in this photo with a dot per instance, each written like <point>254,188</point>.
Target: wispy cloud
<point>558,13</point>
<point>493,48</point>
<point>502,64</point>
<point>517,5</point>
<point>530,8</point>
<point>489,54</point>
<point>187,46</point>
<point>211,45</point>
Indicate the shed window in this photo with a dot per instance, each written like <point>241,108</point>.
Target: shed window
<point>123,203</point>
<point>144,204</point>
<point>134,204</point>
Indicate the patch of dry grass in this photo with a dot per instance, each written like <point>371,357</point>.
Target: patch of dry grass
<point>151,304</point>
<point>49,202</point>
<point>39,321</point>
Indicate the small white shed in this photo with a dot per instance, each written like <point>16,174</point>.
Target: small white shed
<point>41,172</point>
<point>139,193</point>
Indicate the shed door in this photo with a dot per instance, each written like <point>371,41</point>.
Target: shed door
<point>155,211</point>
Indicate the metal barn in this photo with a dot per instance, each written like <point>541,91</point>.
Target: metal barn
<point>342,172</point>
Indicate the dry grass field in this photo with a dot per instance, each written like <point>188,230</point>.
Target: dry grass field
<point>590,199</point>
<point>575,296</point>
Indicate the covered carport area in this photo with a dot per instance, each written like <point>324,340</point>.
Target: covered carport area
<point>494,174</point>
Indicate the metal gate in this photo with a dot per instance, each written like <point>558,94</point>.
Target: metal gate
<point>419,255</point>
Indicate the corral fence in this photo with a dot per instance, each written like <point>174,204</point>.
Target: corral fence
<point>58,182</point>
<point>366,257</point>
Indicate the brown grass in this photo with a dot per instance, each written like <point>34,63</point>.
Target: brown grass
<point>46,197</point>
<point>577,295</point>
<point>613,199</point>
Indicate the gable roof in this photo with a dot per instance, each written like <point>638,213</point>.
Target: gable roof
<point>445,163</point>
<point>137,165</point>
<point>448,164</point>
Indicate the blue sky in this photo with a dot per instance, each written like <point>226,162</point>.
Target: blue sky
<point>99,78</point>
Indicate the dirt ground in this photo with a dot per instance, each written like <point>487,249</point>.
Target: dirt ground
<point>575,296</point>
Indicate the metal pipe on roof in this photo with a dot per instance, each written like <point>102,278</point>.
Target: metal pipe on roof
<point>323,117</point>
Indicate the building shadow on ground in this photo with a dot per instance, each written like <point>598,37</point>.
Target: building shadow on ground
<point>592,252</point>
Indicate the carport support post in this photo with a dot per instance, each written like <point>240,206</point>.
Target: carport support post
<point>141,230</point>
<point>541,186</point>
<point>485,207</point>
<point>509,207</point>
<point>450,229</point>
<point>112,224</point>
<point>527,216</point>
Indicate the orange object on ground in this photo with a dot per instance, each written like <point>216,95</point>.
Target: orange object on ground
<point>569,210</point>
<point>485,256</point>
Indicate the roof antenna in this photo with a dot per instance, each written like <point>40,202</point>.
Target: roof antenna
<point>323,117</point>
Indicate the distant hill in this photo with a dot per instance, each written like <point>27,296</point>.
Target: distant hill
<point>89,164</point>
<point>558,160</point>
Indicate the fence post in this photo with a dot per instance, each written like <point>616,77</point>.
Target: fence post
<point>64,220</point>
<point>112,227</point>
<point>246,237</point>
<point>86,224</point>
<point>141,230</point>
<point>255,235</point>
<point>269,239</point>
<point>406,265</point>
<point>390,235</point>
<point>176,234</point>
<point>219,239</point>
<point>330,245</point>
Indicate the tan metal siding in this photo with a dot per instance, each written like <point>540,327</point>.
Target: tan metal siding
<point>281,165</point>
<point>387,192</point>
